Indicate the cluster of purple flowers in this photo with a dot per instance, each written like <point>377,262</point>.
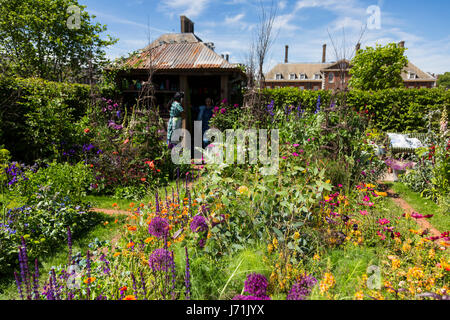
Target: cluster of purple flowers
<point>159,227</point>
<point>271,107</point>
<point>318,105</point>
<point>302,288</point>
<point>14,172</point>
<point>200,226</point>
<point>256,285</point>
<point>114,125</point>
<point>161,260</point>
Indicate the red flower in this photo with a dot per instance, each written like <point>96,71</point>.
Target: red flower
<point>87,130</point>
<point>143,179</point>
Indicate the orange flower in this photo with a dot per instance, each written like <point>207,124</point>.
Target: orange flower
<point>116,254</point>
<point>143,179</point>
<point>126,141</point>
<point>89,280</point>
<point>132,228</point>
<point>114,205</point>
<point>117,220</point>
<point>130,245</point>
<point>129,298</point>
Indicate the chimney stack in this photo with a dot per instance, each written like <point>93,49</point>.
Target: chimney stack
<point>187,26</point>
<point>324,54</point>
<point>286,56</point>
<point>401,44</point>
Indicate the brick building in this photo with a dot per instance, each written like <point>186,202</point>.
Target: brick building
<point>334,75</point>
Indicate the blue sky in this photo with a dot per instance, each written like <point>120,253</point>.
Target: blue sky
<point>304,25</point>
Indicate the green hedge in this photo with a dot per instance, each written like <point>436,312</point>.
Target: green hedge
<point>399,110</point>
<point>37,116</point>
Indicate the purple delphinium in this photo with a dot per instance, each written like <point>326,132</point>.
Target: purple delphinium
<point>270,108</point>
<point>318,105</point>
<point>256,284</point>
<point>160,260</point>
<point>159,227</point>
<point>199,224</point>
<point>144,289</point>
<point>36,280</point>
<point>187,280</point>
<point>302,288</point>
<point>174,276</point>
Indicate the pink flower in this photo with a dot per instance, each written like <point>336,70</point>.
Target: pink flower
<point>383,221</point>
<point>301,151</point>
<point>364,212</point>
<point>296,145</point>
<point>284,158</point>
<point>223,110</point>
<point>366,199</point>
<point>340,185</point>
<point>295,154</point>
<point>382,236</point>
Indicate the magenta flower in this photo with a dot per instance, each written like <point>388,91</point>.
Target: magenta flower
<point>296,145</point>
<point>295,154</point>
<point>383,221</point>
<point>364,212</point>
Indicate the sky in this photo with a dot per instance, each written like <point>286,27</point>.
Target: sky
<point>304,25</point>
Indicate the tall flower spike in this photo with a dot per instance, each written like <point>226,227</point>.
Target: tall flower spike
<point>144,289</point>
<point>18,284</point>
<point>173,276</point>
<point>187,280</point>
<point>69,243</point>
<point>36,280</point>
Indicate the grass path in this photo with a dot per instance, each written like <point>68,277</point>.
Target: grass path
<point>415,203</point>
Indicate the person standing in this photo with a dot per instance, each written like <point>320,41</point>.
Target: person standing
<point>175,121</point>
<point>205,115</point>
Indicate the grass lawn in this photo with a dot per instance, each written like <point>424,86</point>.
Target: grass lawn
<point>8,289</point>
<point>424,206</point>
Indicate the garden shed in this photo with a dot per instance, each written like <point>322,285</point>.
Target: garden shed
<point>181,62</point>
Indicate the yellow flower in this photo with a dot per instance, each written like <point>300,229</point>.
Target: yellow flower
<point>243,190</point>
<point>129,298</point>
<point>275,243</point>
<point>296,236</point>
<point>406,247</point>
<point>270,248</point>
<point>359,295</point>
<point>381,194</point>
<point>431,254</point>
<point>316,257</point>
<point>327,283</point>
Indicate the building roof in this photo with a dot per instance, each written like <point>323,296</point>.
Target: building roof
<point>310,69</point>
<point>420,75</point>
<point>183,51</point>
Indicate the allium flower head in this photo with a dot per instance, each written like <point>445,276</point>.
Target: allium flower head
<point>158,227</point>
<point>302,289</point>
<point>160,260</point>
<point>256,284</point>
<point>199,224</point>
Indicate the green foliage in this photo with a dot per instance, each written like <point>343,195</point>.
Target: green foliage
<point>390,110</point>
<point>444,80</point>
<point>38,116</point>
<point>378,68</point>
<point>37,41</point>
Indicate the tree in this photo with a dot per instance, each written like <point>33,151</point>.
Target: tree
<point>378,68</point>
<point>51,39</point>
<point>444,80</point>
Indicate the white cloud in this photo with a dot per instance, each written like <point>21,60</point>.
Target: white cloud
<point>235,19</point>
<point>189,8</point>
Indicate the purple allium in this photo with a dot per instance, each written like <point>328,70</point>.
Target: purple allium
<point>158,227</point>
<point>241,297</point>
<point>199,224</point>
<point>302,288</point>
<point>160,260</point>
<point>256,284</point>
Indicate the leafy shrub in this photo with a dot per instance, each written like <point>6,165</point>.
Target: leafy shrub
<point>38,116</point>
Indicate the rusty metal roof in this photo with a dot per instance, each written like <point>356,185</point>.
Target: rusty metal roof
<point>179,56</point>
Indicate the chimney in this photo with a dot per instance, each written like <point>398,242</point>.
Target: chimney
<point>187,26</point>
<point>324,54</point>
<point>358,47</point>
<point>401,44</point>
<point>286,56</point>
